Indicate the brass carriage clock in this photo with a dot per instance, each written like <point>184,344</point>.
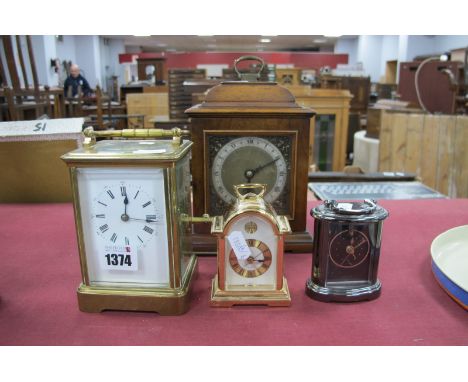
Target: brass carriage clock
<point>251,132</point>
<point>250,252</point>
<point>345,258</point>
<point>128,196</point>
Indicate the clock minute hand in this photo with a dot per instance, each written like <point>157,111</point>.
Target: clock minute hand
<point>361,243</point>
<point>143,220</point>
<point>259,168</point>
<point>249,174</point>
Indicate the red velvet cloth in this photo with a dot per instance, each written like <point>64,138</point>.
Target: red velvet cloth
<point>39,274</point>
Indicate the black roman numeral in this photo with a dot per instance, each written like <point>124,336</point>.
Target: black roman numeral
<point>104,204</point>
<point>139,238</point>
<point>104,228</point>
<point>136,194</point>
<point>148,229</point>
<point>123,190</point>
<point>127,242</point>
<point>101,216</point>
<point>150,218</point>
<point>146,204</point>
<point>111,194</point>
<point>114,237</point>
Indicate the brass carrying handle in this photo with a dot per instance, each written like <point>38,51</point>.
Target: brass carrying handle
<point>175,133</point>
<point>249,186</point>
<point>247,58</point>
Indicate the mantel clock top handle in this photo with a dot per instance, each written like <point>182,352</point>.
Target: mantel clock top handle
<point>249,186</point>
<point>249,76</point>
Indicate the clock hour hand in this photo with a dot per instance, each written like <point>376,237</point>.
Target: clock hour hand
<point>125,203</point>
<point>251,259</point>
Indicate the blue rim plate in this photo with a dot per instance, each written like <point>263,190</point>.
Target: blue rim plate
<point>449,253</point>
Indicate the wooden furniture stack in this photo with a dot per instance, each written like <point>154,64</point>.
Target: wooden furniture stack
<point>432,146</point>
<point>288,76</point>
<point>30,151</point>
<point>179,100</point>
<point>149,105</point>
<point>359,87</point>
<point>159,64</point>
<point>329,128</point>
<point>441,85</point>
<point>376,112</point>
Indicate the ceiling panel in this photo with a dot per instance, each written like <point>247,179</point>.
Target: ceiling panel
<point>221,43</point>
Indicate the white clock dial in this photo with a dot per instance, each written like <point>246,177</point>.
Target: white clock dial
<point>124,213</point>
<point>249,160</point>
<point>259,268</point>
<point>124,225</point>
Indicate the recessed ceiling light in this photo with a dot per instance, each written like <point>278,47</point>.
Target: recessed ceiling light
<point>265,40</point>
<point>141,35</point>
<point>333,35</point>
<point>320,40</point>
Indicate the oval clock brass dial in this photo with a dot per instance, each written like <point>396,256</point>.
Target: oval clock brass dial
<point>349,248</point>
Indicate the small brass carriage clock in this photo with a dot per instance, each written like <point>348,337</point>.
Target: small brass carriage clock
<point>345,259</point>
<point>250,252</point>
<point>128,196</point>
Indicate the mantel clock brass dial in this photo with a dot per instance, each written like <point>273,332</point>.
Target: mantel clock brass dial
<point>265,159</point>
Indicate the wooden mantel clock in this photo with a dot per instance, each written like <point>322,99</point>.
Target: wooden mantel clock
<point>250,132</point>
<point>250,252</point>
<point>128,197</point>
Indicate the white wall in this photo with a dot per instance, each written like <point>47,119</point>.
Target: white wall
<point>389,51</point>
<point>66,49</point>
<point>420,46</point>
<point>374,51</point>
<point>447,43</point>
<point>88,58</point>
<point>44,50</point>
<point>110,66</point>
<point>369,53</point>
<point>348,46</point>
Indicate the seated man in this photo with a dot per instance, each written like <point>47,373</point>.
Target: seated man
<point>75,80</point>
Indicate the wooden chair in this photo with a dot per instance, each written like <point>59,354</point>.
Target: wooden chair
<point>23,98</point>
<point>28,104</point>
<point>105,119</point>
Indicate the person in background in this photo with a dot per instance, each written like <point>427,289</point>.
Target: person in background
<point>73,81</point>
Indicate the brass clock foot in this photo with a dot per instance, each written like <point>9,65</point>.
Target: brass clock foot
<point>165,302</point>
<point>227,299</point>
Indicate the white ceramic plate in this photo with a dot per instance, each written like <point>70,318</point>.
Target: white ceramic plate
<point>449,253</point>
